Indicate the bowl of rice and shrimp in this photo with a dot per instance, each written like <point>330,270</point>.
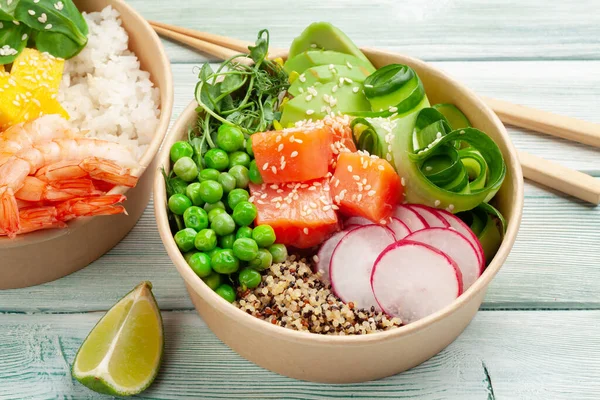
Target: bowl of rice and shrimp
<point>118,89</point>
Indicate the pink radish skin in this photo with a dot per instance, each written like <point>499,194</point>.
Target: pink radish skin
<point>352,263</point>
<point>399,228</point>
<point>457,224</point>
<point>456,246</point>
<point>357,221</point>
<point>412,280</point>
<point>411,219</point>
<point>325,253</point>
<point>433,219</point>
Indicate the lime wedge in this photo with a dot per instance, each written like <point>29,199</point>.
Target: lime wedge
<point>121,355</point>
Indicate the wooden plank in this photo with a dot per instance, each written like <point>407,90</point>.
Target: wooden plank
<point>554,264</point>
<point>542,85</point>
<point>432,30</point>
<point>503,355</point>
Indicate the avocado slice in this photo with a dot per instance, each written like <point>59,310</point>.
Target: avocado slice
<point>348,97</point>
<point>325,74</point>
<point>323,35</point>
<point>314,58</point>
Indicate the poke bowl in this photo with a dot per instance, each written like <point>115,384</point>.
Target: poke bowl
<point>117,92</point>
<point>368,310</point>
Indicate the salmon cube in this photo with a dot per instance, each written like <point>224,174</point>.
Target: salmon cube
<point>366,186</point>
<point>301,214</point>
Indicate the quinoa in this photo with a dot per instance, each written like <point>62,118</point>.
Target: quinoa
<point>292,296</point>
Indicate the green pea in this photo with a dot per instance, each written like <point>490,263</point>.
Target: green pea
<point>241,175</point>
<point>188,255</point>
<point>200,264</point>
<point>264,235</point>
<point>217,159</point>
<point>214,212</point>
<point>249,149</point>
<point>211,206</point>
<point>239,158</point>
<point>195,218</point>
<point>245,249</point>
<point>224,262</point>
<point>230,138</point>
<point>205,240</point>
<point>208,174</point>
<point>244,232</point>
<point>178,185</point>
<point>223,224</point>
<point>185,239</point>
<point>211,191</point>
<point>193,193</point>
<point>226,242</point>
<point>279,252</point>
<point>262,261</point>
<point>227,181</point>
<point>186,169</point>
<point>179,150</point>
<point>236,196</point>
<point>254,173</point>
<point>249,278</point>
<point>213,251</point>
<point>244,213</point>
<point>213,281</point>
<point>178,203</point>
<point>227,292</point>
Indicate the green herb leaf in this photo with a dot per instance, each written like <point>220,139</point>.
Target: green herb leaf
<point>57,44</point>
<point>231,83</point>
<point>258,52</point>
<point>61,17</point>
<point>7,10</point>
<point>13,39</point>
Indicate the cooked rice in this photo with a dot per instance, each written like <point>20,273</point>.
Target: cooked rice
<point>105,92</point>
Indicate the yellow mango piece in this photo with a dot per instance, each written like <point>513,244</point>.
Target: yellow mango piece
<point>43,102</point>
<point>33,69</point>
<point>2,68</point>
<point>12,101</point>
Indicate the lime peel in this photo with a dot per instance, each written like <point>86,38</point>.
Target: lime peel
<point>122,354</point>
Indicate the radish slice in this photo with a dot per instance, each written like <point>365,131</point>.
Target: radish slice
<point>399,228</point>
<point>411,219</point>
<point>325,253</point>
<point>412,280</point>
<point>433,219</point>
<point>357,221</point>
<point>456,246</point>
<point>352,263</point>
<point>463,228</point>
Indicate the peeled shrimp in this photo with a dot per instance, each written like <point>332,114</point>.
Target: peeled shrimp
<point>25,135</point>
<point>34,189</point>
<point>45,217</point>
<point>89,155</point>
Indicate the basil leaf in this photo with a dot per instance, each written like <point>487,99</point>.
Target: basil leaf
<point>60,17</point>
<point>7,10</point>
<point>13,39</point>
<point>56,44</point>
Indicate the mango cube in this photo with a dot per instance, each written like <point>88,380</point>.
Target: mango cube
<point>32,69</point>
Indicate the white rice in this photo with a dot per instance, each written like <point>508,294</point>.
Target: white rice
<point>105,92</point>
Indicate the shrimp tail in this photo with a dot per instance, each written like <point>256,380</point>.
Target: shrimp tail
<point>9,213</point>
<point>38,218</point>
<point>92,167</point>
<point>89,206</point>
<point>35,189</point>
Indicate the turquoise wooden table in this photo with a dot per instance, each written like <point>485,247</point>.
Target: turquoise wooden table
<point>537,335</point>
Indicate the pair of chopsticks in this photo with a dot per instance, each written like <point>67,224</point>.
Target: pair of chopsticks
<point>537,169</point>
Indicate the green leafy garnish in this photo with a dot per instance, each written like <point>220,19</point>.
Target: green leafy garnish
<point>13,39</point>
<point>7,10</point>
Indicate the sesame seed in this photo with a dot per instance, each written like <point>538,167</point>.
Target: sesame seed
<point>388,157</point>
<point>316,258</point>
<point>310,112</point>
<point>308,98</point>
<point>356,177</point>
<point>450,207</point>
<point>331,67</point>
<point>47,27</point>
<point>380,167</point>
<point>24,37</point>
<point>305,230</point>
<point>349,168</point>
<point>31,12</point>
<point>265,166</point>
<point>334,207</point>
<point>393,109</point>
<point>280,147</point>
<point>438,135</point>
<point>326,208</point>
<point>302,78</point>
<point>337,183</point>
<point>359,197</point>
<point>294,154</point>
<point>299,141</point>
<point>263,196</point>
<point>355,89</point>
<point>274,169</point>
<point>403,181</point>
<point>313,45</point>
<point>371,193</point>
<point>334,88</point>
<point>437,203</point>
<point>368,86</point>
<point>428,168</point>
<point>251,199</point>
<point>348,64</point>
<point>278,139</point>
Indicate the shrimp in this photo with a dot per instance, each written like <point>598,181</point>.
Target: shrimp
<point>46,217</point>
<point>92,155</point>
<point>95,168</point>
<point>35,189</point>
<point>25,135</point>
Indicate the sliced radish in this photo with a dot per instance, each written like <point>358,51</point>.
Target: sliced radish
<point>433,219</point>
<point>412,280</point>
<point>463,228</point>
<point>456,246</point>
<point>411,219</point>
<point>352,263</point>
<point>399,228</point>
<point>357,221</point>
<point>325,253</point>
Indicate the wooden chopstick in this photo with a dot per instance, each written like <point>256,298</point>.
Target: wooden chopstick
<point>537,169</point>
<point>545,122</point>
